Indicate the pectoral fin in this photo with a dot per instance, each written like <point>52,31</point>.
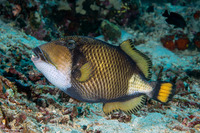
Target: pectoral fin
<point>86,72</point>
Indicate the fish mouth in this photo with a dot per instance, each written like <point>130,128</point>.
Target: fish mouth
<point>38,54</point>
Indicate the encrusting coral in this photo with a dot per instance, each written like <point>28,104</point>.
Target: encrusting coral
<point>110,31</point>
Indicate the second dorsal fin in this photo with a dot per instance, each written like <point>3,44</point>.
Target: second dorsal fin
<point>142,61</point>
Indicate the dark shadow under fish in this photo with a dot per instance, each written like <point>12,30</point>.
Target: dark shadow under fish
<point>174,19</point>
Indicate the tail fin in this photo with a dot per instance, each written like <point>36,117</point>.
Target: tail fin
<point>163,92</point>
<point>165,14</point>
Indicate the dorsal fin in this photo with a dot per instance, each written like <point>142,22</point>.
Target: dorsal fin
<point>142,61</point>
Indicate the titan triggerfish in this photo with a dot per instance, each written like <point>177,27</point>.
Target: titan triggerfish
<point>92,70</point>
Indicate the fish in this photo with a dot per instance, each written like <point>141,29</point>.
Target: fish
<point>150,9</point>
<point>175,19</point>
<point>93,71</point>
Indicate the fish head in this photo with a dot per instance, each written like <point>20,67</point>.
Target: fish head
<point>54,61</point>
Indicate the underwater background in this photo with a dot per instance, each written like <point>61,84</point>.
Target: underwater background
<point>29,103</point>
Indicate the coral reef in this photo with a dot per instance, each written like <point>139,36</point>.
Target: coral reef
<point>29,103</point>
<point>179,41</point>
<point>182,42</point>
<point>110,31</point>
<point>168,42</point>
<point>196,40</point>
<point>48,20</point>
<point>197,15</point>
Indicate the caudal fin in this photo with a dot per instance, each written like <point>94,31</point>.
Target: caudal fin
<point>163,92</point>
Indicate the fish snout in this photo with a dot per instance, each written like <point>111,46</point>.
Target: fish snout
<point>39,55</point>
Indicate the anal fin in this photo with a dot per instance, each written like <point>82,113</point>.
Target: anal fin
<point>130,106</point>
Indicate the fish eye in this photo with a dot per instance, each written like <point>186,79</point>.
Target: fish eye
<point>71,44</point>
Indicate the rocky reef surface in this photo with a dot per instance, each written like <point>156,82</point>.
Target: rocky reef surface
<point>29,103</point>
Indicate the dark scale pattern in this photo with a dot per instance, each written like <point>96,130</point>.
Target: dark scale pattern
<point>112,70</point>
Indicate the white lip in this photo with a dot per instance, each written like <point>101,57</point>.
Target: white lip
<point>60,79</point>
<point>35,58</point>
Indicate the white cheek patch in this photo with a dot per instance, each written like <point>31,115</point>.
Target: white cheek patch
<point>56,77</point>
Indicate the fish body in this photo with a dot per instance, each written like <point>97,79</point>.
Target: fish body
<point>93,71</point>
<point>175,19</point>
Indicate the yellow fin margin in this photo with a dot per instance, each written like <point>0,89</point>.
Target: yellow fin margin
<point>131,106</point>
<point>143,61</point>
<point>86,72</point>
